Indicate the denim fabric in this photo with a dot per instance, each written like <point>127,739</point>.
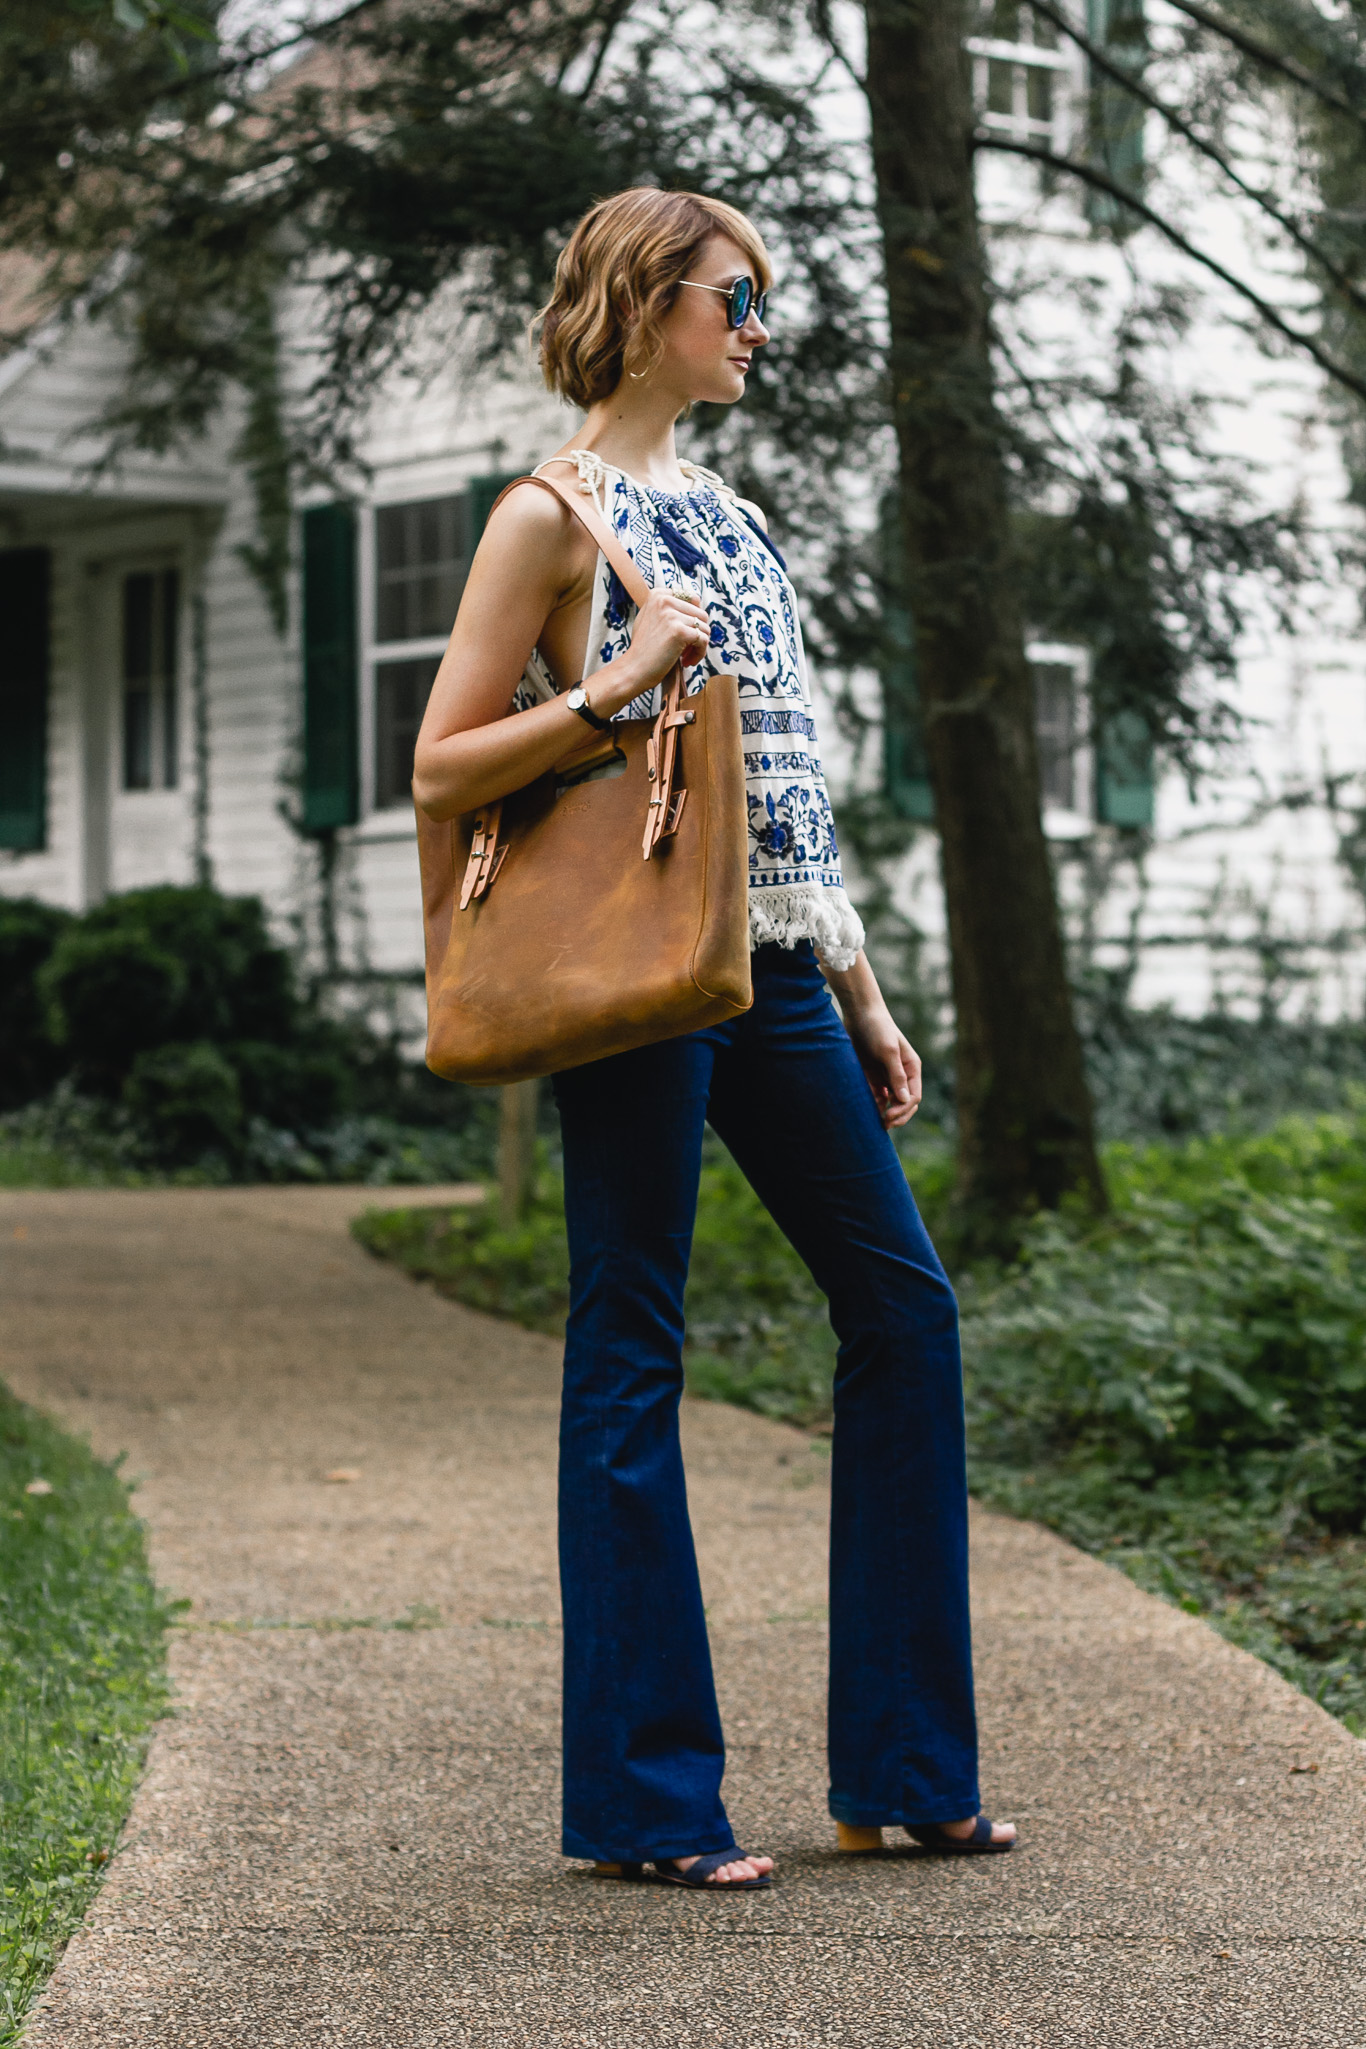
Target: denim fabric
<point>643,1749</point>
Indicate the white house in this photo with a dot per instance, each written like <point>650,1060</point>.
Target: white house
<point>154,726</point>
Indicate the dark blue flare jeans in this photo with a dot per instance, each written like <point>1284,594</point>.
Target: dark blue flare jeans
<point>643,1750</point>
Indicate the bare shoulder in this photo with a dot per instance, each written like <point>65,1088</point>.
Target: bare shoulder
<point>756,512</point>
<point>533,528</point>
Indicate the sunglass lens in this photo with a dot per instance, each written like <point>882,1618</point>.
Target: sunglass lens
<point>757,309</point>
<point>741,298</point>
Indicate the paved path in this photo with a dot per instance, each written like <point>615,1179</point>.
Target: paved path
<point>348,1831</point>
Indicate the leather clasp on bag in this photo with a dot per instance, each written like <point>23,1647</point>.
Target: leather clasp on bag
<point>665,807</point>
<point>486,856</point>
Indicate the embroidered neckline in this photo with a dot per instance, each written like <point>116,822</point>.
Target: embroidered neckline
<point>593,472</point>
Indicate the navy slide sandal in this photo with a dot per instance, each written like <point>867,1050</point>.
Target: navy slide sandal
<point>698,1875</point>
<point>931,1836</point>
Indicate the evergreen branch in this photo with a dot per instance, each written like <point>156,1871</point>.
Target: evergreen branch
<point>1271,58</point>
<point>1100,181</point>
<point>1133,85</point>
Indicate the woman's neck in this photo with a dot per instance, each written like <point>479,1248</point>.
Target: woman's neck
<point>634,431</point>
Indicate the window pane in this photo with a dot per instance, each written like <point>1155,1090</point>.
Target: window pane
<point>1055,712</point>
<point>139,627</point>
<point>1040,94</point>
<point>1004,21</point>
<point>401,693</point>
<point>421,560</point>
<point>1000,87</point>
<point>1045,32</point>
<point>170,703</point>
<point>137,738</point>
<point>139,662</point>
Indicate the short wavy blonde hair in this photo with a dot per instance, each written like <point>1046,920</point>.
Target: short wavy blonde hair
<point>617,277</point>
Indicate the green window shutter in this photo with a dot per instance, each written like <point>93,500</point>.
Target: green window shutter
<point>25,586</point>
<point>905,764</point>
<point>1125,779</point>
<point>1117,117</point>
<point>331,739</point>
<point>482,493</point>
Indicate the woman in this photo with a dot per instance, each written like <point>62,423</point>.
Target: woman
<point>658,304</point>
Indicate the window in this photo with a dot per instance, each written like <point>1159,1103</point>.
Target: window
<point>1055,721</point>
<point>422,550</point>
<point>422,554</point>
<point>421,559</point>
<point>25,585</point>
<point>401,693</point>
<point>1018,71</point>
<point>1061,716</point>
<point>151,634</point>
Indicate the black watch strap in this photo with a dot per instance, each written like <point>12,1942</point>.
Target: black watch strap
<point>585,709</point>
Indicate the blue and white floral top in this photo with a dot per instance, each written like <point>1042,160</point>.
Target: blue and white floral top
<point>704,539</point>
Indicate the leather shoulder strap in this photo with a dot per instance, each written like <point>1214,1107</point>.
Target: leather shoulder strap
<point>586,512</point>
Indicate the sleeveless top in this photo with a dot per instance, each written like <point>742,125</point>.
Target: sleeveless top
<point>705,540</point>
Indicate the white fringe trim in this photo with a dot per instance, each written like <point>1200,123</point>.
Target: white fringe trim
<point>783,916</point>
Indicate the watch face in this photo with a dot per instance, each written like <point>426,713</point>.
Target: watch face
<point>577,696</point>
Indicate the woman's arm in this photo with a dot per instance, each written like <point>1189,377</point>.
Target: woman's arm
<point>886,1055</point>
<point>533,570</point>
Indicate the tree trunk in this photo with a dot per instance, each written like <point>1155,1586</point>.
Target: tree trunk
<point>516,1149</point>
<point>1025,1124</point>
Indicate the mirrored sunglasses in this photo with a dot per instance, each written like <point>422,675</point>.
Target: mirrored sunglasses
<point>741,299</point>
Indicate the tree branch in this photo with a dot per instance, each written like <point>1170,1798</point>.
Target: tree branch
<point>245,59</point>
<point>616,14</point>
<point>1273,59</point>
<point>1100,181</point>
<point>1133,85</point>
<point>824,25</point>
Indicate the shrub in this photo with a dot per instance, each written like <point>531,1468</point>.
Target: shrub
<point>295,1088</point>
<point>164,1032</point>
<point>1221,1339</point>
<point>1156,1075</point>
<point>110,994</point>
<point>29,1061</point>
<point>236,982</point>
<point>187,1102</point>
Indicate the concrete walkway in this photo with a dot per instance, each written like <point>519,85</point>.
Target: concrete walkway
<point>348,1831</point>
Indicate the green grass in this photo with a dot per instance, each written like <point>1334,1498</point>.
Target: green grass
<point>82,1655</point>
<point>1180,1389</point>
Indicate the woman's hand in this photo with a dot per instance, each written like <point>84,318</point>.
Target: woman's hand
<point>885,1054</point>
<point>670,625</point>
<point>890,1062</point>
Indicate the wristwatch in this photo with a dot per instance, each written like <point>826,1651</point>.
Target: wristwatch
<point>577,700</point>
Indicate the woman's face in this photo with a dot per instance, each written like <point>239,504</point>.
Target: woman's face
<point>704,357</point>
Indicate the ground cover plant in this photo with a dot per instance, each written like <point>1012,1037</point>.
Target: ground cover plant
<point>165,1034</point>
<point>1179,1388</point>
<point>82,1652</point>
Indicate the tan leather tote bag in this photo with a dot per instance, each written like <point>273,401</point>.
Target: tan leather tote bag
<point>605,905</point>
